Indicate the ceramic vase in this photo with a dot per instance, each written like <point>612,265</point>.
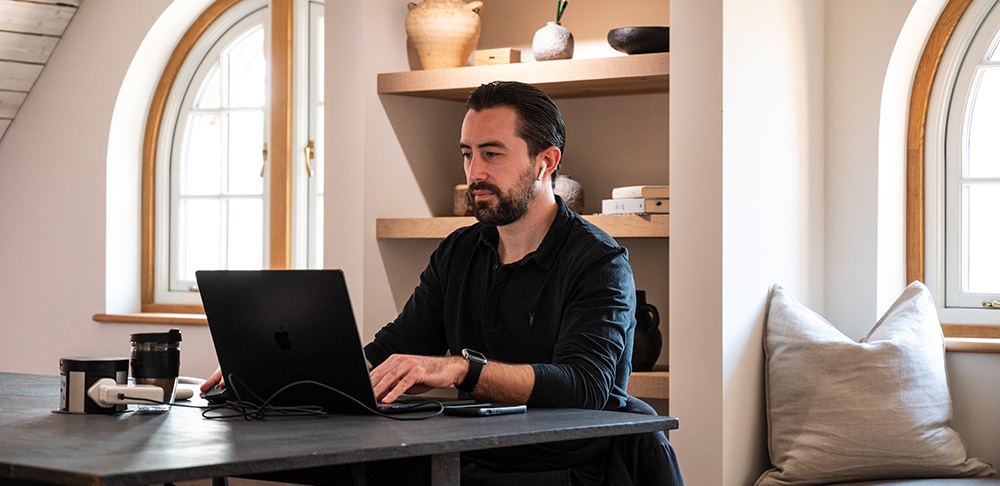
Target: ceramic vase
<point>443,32</point>
<point>551,42</point>
<point>571,192</point>
<point>648,342</point>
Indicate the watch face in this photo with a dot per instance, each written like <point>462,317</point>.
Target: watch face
<point>473,355</point>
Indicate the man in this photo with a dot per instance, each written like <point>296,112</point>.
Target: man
<point>567,305</point>
<point>532,305</point>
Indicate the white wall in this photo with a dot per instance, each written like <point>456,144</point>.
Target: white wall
<point>776,167</point>
<point>865,207</point>
<point>787,148</point>
<point>696,149</point>
<point>53,200</point>
<point>746,152</point>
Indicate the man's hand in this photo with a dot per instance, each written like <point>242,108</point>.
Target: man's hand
<point>211,381</point>
<point>405,373</point>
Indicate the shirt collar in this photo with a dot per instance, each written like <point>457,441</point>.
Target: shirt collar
<point>545,255</point>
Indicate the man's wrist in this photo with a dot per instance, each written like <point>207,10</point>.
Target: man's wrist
<point>461,367</point>
<point>475,363</point>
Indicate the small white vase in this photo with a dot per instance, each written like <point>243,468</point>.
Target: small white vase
<point>551,42</point>
<point>571,191</point>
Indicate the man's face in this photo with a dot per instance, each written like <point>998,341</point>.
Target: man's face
<point>502,177</point>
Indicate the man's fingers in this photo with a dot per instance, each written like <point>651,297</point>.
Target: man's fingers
<point>401,374</point>
<point>211,381</point>
<point>383,381</point>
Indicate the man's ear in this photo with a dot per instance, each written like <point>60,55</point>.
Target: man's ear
<point>550,160</point>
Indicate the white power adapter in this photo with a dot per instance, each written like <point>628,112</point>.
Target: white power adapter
<point>107,393</point>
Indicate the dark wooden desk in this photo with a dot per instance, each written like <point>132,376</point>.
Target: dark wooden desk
<point>132,448</point>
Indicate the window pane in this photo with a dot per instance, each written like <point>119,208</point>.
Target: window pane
<point>994,54</point>
<point>199,237</point>
<point>218,211</point>
<point>318,177</point>
<point>320,48</point>
<point>246,141</point>
<point>315,200</point>
<point>246,227</point>
<point>984,126</point>
<point>982,238</point>
<point>210,94</point>
<point>317,194</point>
<point>201,164</point>
<point>246,70</point>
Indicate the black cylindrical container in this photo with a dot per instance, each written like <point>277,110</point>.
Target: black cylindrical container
<point>648,342</point>
<point>156,360</point>
<point>79,374</point>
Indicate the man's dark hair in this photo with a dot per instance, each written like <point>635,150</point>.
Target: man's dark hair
<point>539,122</point>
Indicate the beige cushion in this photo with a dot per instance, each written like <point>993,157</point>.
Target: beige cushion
<point>839,410</point>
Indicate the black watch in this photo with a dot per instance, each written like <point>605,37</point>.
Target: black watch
<point>476,362</point>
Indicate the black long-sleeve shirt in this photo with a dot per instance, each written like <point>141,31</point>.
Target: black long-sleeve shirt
<point>568,309</point>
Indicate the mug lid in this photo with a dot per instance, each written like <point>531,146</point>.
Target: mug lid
<point>173,336</point>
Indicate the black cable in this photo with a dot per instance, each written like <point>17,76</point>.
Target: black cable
<point>266,404</point>
<point>259,409</point>
<point>434,413</point>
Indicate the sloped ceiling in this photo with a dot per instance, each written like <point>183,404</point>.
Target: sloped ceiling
<point>29,31</point>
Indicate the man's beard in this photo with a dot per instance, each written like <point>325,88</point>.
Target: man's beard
<point>509,207</point>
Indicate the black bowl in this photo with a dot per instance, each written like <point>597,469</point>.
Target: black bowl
<point>640,40</point>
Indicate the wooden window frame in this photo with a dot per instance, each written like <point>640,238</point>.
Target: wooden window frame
<point>960,337</point>
<point>279,146</point>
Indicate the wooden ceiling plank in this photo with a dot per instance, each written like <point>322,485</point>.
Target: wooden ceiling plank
<point>29,32</point>
<point>18,76</point>
<point>34,18</point>
<point>75,3</point>
<point>26,47</point>
<point>10,102</point>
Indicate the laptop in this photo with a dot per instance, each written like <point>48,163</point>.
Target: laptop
<point>272,328</point>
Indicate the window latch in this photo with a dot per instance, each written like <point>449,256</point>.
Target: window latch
<point>263,165</point>
<point>310,154</point>
<point>991,304</point>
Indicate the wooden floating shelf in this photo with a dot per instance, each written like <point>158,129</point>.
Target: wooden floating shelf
<point>607,76</point>
<point>618,226</point>
<point>650,384</point>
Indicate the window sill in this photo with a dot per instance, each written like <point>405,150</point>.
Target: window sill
<point>961,338</point>
<point>972,345</point>
<point>153,318</point>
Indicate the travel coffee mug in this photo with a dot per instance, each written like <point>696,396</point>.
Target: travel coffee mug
<point>156,360</point>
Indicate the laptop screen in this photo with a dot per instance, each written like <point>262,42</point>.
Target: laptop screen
<point>274,328</point>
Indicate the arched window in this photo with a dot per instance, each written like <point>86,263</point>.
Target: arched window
<point>972,173</point>
<point>232,174</point>
<point>954,166</point>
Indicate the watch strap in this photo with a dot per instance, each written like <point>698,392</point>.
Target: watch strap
<point>472,377</point>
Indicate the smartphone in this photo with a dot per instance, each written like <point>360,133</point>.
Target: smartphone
<point>484,410</point>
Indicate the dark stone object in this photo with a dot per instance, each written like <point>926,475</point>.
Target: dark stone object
<point>648,342</point>
<point>640,40</point>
